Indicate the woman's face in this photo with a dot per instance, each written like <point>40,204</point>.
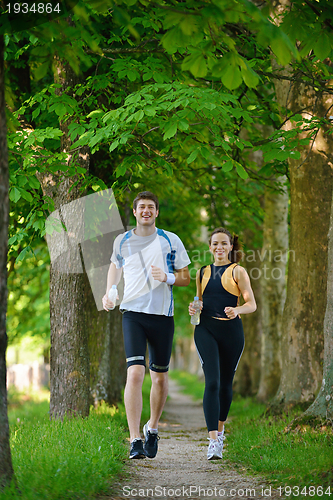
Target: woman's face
<point>220,247</point>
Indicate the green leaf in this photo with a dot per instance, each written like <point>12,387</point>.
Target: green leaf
<point>267,169</point>
<point>12,240</point>
<point>21,180</point>
<point>183,125</point>
<point>81,170</point>
<point>121,170</point>
<point>281,51</point>
<point>232,77</point>
<point>170,41</point>
<point>60,110</point>
<point>132,75</point>
<point>296,155</point>
<point>241,171</point>
<point>150,111</point>
<point>75,129</point>
<point>26,195</point>
<point>168,168</point>
<point>33,182</point>
<point>39,224</point>
<point>196,63</point>
<point>35,113</point>
<point>23,254</point>
<point>227,166</point>
<point>138,115</point>
<point>189,25</point>
<point>192,156</point>
<point>147,76</point>
<point>170,131</point>
<point>199,68</point>
<point>114,145</point>
<point>323,48</point>
<point>41,70</point>
<point>14,195</point>
<point>250,77</point>
<point>95,113</point>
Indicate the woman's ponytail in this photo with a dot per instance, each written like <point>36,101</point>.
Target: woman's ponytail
<point>236,253</point>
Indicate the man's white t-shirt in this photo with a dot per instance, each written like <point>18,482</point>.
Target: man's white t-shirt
<point>136,254</point>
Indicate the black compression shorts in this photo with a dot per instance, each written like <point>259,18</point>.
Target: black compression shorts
<point>140,328</point>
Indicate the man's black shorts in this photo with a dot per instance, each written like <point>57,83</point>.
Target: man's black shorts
<point>158,330</point>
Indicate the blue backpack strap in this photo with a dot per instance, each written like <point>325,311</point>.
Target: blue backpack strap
<point>170,259</point>
<point>125,238</point>
<point>171,256</point>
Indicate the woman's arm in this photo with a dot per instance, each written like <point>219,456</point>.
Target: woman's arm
<point>191,309</point>
<point>244,284</point>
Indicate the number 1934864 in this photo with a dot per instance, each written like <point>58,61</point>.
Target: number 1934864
<point>35,8</point>
<point>305,491</point>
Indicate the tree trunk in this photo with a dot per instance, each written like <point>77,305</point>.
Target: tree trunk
<point>248,371</point>
<point>322,407</point>
<point>6,468</point>
<point>310,198</point>
<point>93,368</point>
<point>273,287</point>
<point>69,356</point>
<point>69,359</point>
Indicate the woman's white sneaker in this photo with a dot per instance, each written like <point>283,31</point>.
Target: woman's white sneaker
<point>214,449</point>
<point>221,438</point>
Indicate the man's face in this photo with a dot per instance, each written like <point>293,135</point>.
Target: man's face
<point>145,212</point>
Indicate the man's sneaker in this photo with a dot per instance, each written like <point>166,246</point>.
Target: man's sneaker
<point>214,449</point>
<point>137,449</point>
<point>151,438</point>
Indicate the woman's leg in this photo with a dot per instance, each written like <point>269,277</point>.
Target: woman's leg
<point>231,345</point>
<point>209,356</point>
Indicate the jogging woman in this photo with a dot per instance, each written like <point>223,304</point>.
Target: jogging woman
<point>219,337</point>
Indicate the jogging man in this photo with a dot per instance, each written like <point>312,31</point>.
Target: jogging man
<point>154,261</point>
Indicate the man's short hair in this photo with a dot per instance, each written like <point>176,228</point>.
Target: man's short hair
<point>145,195</point>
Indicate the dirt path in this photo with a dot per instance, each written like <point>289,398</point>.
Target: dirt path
<point>181,469</point>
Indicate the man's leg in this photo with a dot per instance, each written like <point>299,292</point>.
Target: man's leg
<point>159,334</point>
<point>158,395</point>
<point>133,399</point>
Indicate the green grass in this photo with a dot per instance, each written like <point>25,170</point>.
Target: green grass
<point>259,443</point>
<point>73,459</point>
<point>80,458</point>
<point>27,407</point>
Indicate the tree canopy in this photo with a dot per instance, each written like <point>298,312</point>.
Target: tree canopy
<point>169,96</point>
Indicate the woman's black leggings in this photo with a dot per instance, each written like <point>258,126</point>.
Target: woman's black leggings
<point>220,345</point>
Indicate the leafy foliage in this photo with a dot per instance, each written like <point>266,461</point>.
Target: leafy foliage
<point>28,298</point>
<point>171,99</point>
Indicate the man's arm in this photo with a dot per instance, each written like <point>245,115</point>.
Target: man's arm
<point>114,276</point>
<point>182,276</point>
